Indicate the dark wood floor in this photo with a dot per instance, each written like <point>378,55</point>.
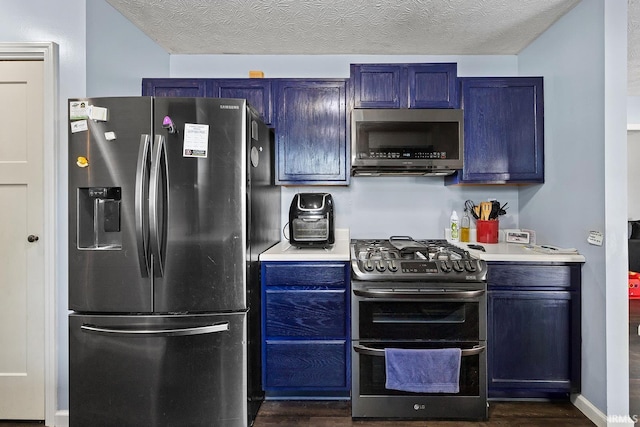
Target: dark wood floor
<point>338,414</point>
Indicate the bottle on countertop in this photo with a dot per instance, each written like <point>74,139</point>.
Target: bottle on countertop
<point>453,222</point>
<point>465,226</point>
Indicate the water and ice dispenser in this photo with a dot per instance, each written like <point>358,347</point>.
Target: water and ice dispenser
<point>99,216</point>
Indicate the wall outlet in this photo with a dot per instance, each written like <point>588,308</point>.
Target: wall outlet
<point>595,238</point>
<point>516,236</point>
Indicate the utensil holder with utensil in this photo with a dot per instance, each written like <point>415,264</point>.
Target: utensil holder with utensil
<point>487,231</point>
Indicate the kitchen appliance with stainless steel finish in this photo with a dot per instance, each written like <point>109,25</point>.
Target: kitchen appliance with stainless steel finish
<point>311,220</point>
<point>417,294</point>
<point>171,200</point>
<point>406,141</point>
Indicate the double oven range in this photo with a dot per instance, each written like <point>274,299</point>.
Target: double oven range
<point>417,294</point>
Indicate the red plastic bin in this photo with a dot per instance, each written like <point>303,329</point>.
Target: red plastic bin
<point>634,285</point>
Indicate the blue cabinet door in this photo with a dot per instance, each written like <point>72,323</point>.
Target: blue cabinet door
<point>175,87</point>
<point>503,130</point>
<point>378,85</point>
<point>256,91</point>
<point>433,85</point>
<point>311,141</point>
<point>533,330</point>
<point>405,85</point>
<point>530,343</point>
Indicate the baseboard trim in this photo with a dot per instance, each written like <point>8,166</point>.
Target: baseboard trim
<point>597,416</point>
<point>62,418</point>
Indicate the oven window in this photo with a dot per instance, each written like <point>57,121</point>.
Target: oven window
<point>454,320</point>
<point>372,371</point>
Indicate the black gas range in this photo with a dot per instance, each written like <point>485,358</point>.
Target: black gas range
<point>401,258</point>
<point>422,295</point>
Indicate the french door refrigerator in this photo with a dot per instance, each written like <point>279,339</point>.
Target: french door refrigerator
<point>171,200</point>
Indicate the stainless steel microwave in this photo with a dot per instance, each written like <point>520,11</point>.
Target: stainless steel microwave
<point>406,141</point>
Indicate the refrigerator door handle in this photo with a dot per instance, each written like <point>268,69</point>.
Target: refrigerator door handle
<point>141,194</point>
<point>157,205</point>
<point>177,332</point>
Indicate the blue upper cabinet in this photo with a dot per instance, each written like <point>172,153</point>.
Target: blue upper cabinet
<point>404,85</point>
<point>378,85</point>
<point>175,87</point>
<point>503,130</point>
<point>311,131</point>
<point>256,91</point>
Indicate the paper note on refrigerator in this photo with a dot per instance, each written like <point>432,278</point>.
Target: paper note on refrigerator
<point>196,140</point>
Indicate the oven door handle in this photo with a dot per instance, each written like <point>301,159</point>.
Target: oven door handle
<point>426,294</point>
<point>368,351</point>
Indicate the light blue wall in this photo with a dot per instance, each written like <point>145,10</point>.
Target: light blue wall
<point>119,54</point>
<point>633,110</point>
<point>325,66</point>
<point>585,146</point>
<point>371,207</point>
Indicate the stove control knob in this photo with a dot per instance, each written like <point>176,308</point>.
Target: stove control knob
<point>380,266</point>
<point>393,267</point>
<point>457,266</point>
<point>368,265</point>
<point>445,266</point>
<point>470,266</point>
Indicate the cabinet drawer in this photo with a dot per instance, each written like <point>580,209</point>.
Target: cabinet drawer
<point>295,313</point>
<point>533,276</point>
<point>317,274</point>
<point>300,364</point>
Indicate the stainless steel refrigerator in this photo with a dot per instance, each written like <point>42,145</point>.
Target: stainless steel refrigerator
<point>171,200</point>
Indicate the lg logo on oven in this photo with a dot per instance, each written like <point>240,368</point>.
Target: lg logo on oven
<point>419,407</point>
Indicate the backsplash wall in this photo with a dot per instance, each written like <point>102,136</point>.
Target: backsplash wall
<point>378,207</point>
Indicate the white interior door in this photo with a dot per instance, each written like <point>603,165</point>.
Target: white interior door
<point>22,388</point>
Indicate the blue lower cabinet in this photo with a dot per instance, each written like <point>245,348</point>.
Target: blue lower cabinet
<point>533,330</point>
<point>305,329</point>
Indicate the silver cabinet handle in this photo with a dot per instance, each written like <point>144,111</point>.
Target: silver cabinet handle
<point>380,352</point>
<point>199,330</point>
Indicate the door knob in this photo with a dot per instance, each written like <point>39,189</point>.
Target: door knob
<point>32,238</point>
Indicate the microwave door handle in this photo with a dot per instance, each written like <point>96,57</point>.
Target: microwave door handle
<point>376,352</point>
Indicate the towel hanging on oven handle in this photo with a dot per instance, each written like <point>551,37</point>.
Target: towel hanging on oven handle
<point>380,352</point>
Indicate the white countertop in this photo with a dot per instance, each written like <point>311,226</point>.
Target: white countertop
<point>283,251</point>
<point>516,252</point>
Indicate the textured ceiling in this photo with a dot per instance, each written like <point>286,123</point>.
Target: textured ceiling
<point>374,27</point>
